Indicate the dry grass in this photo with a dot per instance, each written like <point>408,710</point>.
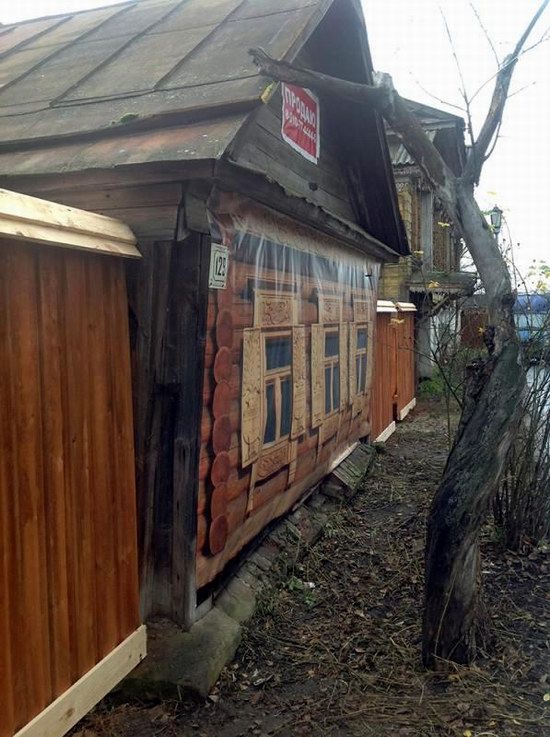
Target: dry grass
<point>343,657</point>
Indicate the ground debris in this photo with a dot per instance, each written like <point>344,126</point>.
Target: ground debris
<point>334,648</point>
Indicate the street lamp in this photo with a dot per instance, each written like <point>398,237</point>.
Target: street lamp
<point>496,219</point>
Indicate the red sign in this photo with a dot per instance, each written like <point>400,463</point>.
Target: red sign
<point>300,126</point>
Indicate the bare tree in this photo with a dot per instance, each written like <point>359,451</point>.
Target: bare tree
<point>495,384</point>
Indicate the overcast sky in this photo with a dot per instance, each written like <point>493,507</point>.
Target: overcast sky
<point>409,40</point>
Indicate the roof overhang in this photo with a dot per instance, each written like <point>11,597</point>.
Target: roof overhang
<point>442,283</point>
<point>386,306</point>
<point>199,141</point>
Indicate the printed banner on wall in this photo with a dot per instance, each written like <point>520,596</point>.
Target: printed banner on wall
<point>288,362</point>
<point>300,121</point>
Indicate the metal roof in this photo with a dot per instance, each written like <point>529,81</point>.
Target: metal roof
<point>445,131</point>
<point>142,64</point>
<point>399,154</point>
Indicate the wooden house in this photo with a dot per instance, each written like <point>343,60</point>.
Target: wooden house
<point>262,214</point>
<point>432,272</point>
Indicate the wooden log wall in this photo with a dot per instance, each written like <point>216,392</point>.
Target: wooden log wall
<point>68,548</point>
<point>384,388</point>
<point>227,519</point>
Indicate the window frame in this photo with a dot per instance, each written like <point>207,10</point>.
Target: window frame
<point>276,376</point>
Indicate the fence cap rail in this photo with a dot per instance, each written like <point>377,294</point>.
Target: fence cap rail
<point>385,305</point>
<point>405,307</point>
<point>32,220</point>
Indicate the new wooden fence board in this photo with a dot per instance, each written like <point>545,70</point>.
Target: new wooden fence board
<point>406,383</point>
<point>50,273</point>
<point>123,494</point>
<point>82,544</point>
<point>71,706</point>
<point>8,574</point>
<point>68,552</point>
<point>28,459</point>
<point>101,480</point>
<point>384,375</point>
<point>7,578</point>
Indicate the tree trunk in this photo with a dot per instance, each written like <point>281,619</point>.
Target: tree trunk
<point>488,426</point>
<point>475,464</point>
<point>494,391</point>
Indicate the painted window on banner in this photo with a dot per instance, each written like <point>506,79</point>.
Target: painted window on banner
<point>300,121</point>
<point>278,387</point>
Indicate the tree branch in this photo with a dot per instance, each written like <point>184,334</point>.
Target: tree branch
<point>478,152</point>
<point>282,71</point>
<point>382,96</point>
<point>486,33</point>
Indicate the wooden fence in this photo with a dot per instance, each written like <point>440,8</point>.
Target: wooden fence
<point>69,617</point>
<point>406,373</point>
<point>384,372</point>
<point>394,382</point>
<point>473,323</point>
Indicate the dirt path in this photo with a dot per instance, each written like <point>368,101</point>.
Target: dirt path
<point>334,648</point>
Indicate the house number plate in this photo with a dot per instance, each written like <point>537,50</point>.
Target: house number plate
<point>219,262</point>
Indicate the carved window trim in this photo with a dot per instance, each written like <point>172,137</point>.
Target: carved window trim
<point>361,310</point>
<point>276,315</point>
<point>329,308</point>
<point>362,320</point>
<point>275,309</point>
<point>330,311</point>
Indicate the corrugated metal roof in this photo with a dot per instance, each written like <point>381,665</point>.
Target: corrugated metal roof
<point>399,154</point>
<point>115,69</point>
<point>444,129</point>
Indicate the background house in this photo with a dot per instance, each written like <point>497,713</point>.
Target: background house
<point>431,276</point>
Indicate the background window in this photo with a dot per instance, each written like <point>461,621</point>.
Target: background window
<point>332,372</point>
<point>278,388</point>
